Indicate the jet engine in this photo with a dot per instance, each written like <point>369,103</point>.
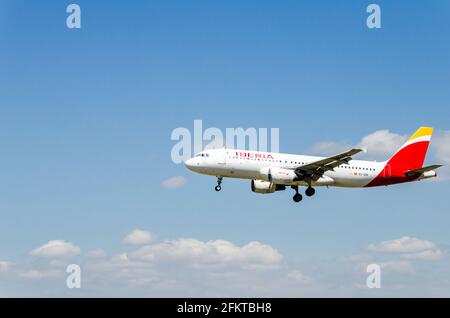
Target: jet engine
<point>261,186</point>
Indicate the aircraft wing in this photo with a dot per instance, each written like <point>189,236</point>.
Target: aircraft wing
<point>316,169</point>
<point>421,170</point>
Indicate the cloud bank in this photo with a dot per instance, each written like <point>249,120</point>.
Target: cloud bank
<point>139,237</point>
<point>56,249</point>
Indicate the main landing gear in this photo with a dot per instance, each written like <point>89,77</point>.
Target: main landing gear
<point>310,191</point>
<point>219,182</point>
<point>297,196</point>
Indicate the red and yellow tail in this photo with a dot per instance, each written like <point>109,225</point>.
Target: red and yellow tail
<point>409,157</point>
<point>412,154</point>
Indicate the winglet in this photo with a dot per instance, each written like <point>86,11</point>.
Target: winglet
<point>354,151</point>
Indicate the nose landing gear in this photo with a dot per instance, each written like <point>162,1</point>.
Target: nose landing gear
<point>219,182</point>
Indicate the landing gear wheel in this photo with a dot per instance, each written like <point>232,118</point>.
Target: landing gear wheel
<point>310,192</point>
<point>219,182</point>
<point>297,197</point>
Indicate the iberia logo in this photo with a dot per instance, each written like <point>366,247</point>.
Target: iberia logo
<point>255,155</point>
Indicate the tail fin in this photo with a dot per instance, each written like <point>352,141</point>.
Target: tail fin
<point>412,154</point>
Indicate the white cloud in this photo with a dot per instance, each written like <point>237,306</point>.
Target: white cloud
<point>116,264</point>
<point>409,248</point>
<point>441,147</point>
<point>404,244</point>
<point>218,252</point>
<point>56,249</point>
<point>174,183</point>
<point>98,253</point>
<point>441,143</point>
<point>427,255</point>
<point>299,276</point>
<point>139,237</point>
<point>122,257</point>
<point>382,144</point>
<point>193,267</point>
<point>220,268</point>
<point>5,266</point>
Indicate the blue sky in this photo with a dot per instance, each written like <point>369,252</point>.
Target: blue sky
<point>86,117</point>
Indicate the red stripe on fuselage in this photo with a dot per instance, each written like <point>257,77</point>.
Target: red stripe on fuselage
<point>409,158</point>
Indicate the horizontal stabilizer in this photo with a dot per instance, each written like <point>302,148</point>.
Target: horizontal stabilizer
<point>410,173</point>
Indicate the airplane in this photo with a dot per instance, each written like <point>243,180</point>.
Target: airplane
<point>271,172</point>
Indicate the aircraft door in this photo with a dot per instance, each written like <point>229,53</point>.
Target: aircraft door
<point>222,157</point>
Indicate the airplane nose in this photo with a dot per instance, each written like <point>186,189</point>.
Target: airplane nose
<point>189,163</point>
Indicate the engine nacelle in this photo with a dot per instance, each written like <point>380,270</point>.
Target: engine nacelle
<point>428,174</point>
<point>261,186</point>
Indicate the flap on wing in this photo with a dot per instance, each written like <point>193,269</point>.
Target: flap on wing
<point>421,170</point>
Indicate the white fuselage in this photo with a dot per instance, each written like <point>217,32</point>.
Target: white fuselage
<point>254,165</point>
